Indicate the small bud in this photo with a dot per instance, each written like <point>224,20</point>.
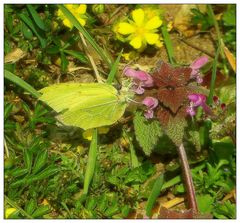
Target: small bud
<point>98,9</point>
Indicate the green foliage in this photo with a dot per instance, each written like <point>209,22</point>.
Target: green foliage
<point>150,136</point>
<point>205,203</point>
<point>154,193</point>
<point>227,210</point>
<point>204,19</point>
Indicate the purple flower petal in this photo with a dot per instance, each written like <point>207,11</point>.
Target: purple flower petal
<point>139,89</point>
<point>150,102</point>
<point>148,114</point>
<point>197,99</point>
<point>141,76</point>
<point>198,63</point>
<point>191,111</point>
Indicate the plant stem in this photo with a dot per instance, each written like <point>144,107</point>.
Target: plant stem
<point>188,179</point>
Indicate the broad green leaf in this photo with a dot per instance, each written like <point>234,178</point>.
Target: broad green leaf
<point>92,157</point>
<point>20,82</point>
<point>154,194</point>
<point>150,136</point>
<point>86,105</point>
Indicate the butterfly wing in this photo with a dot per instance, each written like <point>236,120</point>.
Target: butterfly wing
<point>87,105</point>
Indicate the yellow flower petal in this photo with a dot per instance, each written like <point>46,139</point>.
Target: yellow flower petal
<point>125,28</point>
<point>151,38</point>
<point>67,23</point>
<point>82,21</point>
<point>138,16</point>
<point>136,42</point>
<point>9,211</point>
<point>88,134</point>
<point>153,23</point>
<point>159,44</point>
<point>82,9</point>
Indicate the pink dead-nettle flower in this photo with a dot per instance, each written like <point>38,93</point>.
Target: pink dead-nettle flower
<point>151,103</point>
<point>196,65</point>
<point>141,79</point>
<point>197,100</point>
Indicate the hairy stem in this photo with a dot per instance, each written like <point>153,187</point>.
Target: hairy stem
<point>188,179</point>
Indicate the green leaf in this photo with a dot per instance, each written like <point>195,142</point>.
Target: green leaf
<point>30,206</point>
<point>26,32</point>
<point>154,194</point>
<point>16,80</point>
<point>227,93</point>
<point>28,158</point>
<point>45,173</point>
<point>31,25</point>
<point>147,132</point>
<point>36,17</point>
<point>92,158</point>
<point>89,38</point>
<point>229,16</point>
<point>40,160</point>
<point>175,129</point>
<point>114,69</point>
<point>205,203</point>
<point>64,62</point>
<point>41,210</point>
<point>80,56</point>
<point>134,159</point>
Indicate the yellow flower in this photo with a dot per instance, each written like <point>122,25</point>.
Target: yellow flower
<point>88,133</point>
<point>9,211</point>
<point>77,10</point>
<point>140,30</point>
<point>130,55</point>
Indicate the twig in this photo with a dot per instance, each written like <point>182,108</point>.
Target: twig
<point>99,78</point>
<point>188,179</point>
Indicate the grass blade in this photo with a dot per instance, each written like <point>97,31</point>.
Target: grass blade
<point>89,38</point>
<point>21,83</point>
<point>168,43</point>
<point>31,25</point>
<point>80,56</point>
<point>36,17</point>
<point>114,70</point>
<point>92,157</point>
<point>214,74</point>
<point>154,194</point>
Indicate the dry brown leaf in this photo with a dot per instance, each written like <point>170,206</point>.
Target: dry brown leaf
<point>231,58</point>
<point>14,56</point>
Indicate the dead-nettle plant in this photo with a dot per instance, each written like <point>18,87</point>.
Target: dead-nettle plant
<point>173,95</point>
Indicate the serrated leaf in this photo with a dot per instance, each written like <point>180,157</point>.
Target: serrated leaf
<point>147,132</point>
<point>175,129</point>
<point>195,139</point>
